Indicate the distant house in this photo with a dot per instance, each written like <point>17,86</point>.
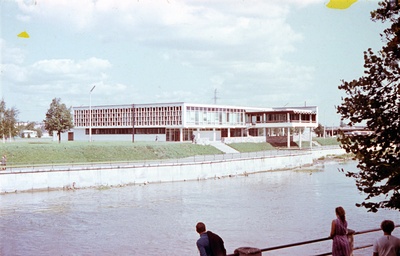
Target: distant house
<point>28,134</point>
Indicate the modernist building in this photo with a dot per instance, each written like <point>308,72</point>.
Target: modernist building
<point>182,121</point>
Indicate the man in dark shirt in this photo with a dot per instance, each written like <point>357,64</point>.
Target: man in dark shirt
<point>203,244</point>
<point>209,244</point>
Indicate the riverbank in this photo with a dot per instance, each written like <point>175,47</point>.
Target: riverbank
<point>28,152</point>
<point>101,175</point>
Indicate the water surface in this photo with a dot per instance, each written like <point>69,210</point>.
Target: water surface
<point>259,210</point>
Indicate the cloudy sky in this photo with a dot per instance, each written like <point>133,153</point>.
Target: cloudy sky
<point>259,53</point>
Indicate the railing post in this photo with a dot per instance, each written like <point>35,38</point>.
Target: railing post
<point>350,237</point>
<point>245,251</point>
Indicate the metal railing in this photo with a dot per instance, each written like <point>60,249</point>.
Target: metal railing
<point>22,168</point>
<point>284,246</point>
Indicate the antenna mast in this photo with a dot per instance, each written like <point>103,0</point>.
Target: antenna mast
<point>215,96</point>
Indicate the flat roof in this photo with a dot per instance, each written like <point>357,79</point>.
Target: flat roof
<point>297,110</point>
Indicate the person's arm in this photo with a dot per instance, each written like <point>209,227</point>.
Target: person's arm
<point>375,248</point>
<point>333,229</point>
<point>201,248</point>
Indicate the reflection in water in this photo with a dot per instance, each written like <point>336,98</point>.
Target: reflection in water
<point>260,210</point>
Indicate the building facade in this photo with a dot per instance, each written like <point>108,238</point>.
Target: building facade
<point>182,121</point>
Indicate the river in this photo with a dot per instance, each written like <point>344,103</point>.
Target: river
<point>259,210</point>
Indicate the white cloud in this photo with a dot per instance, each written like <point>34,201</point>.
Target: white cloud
<point>14,73</point>
<point>11,55</point>
<point>68,67</point>
<point>195,31</point>
<point>200,20</point>
<point>173,96</point>
<point>73,12</point>
<point>54,74</point>
<point>237,44</point>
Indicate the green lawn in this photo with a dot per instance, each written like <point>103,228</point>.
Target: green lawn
<point>42,151</point>
<point>328,141</point>
<point>49,152</point>
<point>251,147</point>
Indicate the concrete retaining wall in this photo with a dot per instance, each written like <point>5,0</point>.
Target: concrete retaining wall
<point>102,176</point>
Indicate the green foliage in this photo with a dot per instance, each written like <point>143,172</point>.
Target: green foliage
<point>29,126</point>
<point>39,132</point>
<point>319,130</point>
<point>374,100</point>
<point>8,120</point>
<point>296,130</point>
<point>58,118</point>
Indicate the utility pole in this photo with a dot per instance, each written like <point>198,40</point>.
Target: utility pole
<point>90,113</point>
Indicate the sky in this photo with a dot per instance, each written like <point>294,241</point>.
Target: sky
<point>255,53</point>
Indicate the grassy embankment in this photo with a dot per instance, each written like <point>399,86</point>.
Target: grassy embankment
<point>29,151</point>
<point>48,152</point>
<point>253,147</point>
<point>329,141</point>
<point>332,142</point>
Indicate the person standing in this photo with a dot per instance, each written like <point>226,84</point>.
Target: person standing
<point>340,244</point>
<point>3,162</point>
<point>386,245</point>
<point>209,243</point>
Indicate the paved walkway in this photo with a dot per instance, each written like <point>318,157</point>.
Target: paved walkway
<point>223,147</point>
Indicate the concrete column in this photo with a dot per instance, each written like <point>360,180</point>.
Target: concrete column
<point>229,132</point>
<point>310,137</point>
<point>244,251</point>
<point>214,135</point>
<point>181,134</point>
<point>288,137</point>
<point>198,135</point>
<point>300,138</point>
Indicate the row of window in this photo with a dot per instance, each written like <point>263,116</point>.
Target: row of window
<point>123,117</point>
<point>106,131</point>
<point>172,116</point>
<point>171,134</point>
<point>221,118</point>
<point>269,118</point>
<point>214,109</point>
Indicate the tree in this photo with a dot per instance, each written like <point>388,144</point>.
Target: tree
<point>297,130</point>
<point>319,130</point>
<point>8,120</point>
<point>374,100</point>
<point>39,132</point>
<point>58,118</point>
<point>29,126</point>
